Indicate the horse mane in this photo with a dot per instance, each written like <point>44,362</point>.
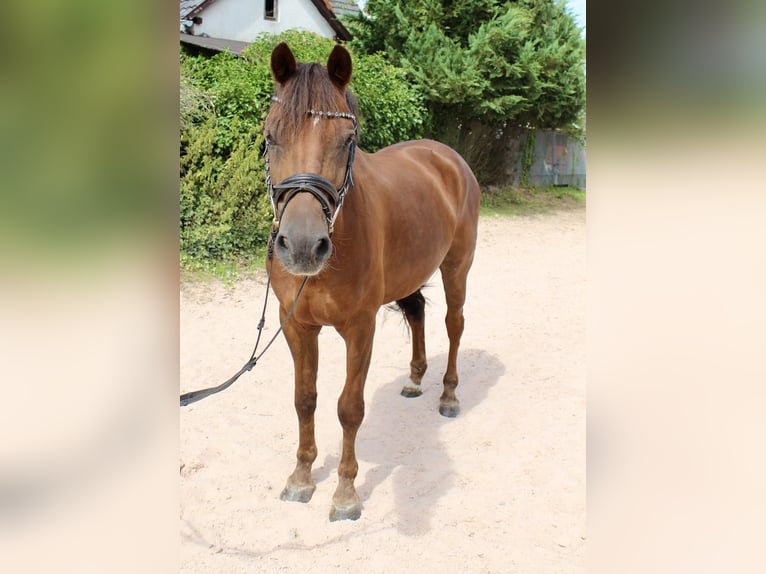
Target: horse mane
<point>310,88</point>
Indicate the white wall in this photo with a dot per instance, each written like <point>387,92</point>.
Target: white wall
<point>243,20</point>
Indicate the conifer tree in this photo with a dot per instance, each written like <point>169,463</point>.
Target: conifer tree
<point>484,67</point>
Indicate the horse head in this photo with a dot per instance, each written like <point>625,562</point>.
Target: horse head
<point>310,133</point>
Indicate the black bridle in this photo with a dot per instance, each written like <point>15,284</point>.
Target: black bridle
<point>329,197</point>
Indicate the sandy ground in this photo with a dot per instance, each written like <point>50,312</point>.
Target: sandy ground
<point>501,488</point>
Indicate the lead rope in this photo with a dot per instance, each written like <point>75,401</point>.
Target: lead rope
<point>194,396</point>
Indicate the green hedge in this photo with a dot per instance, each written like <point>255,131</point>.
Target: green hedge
<point>224,211</point>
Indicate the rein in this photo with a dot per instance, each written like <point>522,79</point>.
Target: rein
<point>194,396</point>
<point>331,200</point>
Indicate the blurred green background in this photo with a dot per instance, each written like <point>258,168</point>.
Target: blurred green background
<point>88,113</point>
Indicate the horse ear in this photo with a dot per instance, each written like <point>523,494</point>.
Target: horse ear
<point>282,63</point>
<point>339,66</point>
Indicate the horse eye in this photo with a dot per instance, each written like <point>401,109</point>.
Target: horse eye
<point>348,141</point>
<point>270,140</point>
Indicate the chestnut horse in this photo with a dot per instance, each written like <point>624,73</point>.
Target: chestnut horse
<point>407,210</point>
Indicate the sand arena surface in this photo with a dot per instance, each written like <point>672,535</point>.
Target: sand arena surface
<point>501,488</point>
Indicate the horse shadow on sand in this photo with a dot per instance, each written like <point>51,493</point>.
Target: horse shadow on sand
<point>401,437</point>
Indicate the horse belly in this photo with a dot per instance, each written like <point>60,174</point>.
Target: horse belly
<point>412,265</point>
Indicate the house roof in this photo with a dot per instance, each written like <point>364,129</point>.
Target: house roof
<point>345,7</point>
<point>325,10</point>
<point>214,44</point>
<point>190,7</point>
<point>328,10</point>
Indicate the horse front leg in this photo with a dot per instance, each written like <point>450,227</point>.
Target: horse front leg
<point>303,343</point>
<point>358,335</point>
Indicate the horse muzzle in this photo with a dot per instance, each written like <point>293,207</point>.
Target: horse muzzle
<point>303,239</point>
<point>302,251</point>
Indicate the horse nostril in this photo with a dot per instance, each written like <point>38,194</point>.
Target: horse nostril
<point>281,241</point>
<point>322,247</point>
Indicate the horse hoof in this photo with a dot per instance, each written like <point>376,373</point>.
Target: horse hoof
<point>349,512</point>
<point>411,390</point>
<point>449,410</point>
<point>297,493</point>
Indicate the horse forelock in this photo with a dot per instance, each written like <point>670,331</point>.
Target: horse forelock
<point>309,89</point>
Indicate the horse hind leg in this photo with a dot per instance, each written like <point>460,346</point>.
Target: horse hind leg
<point>413,306</point>
<point>454,277</point>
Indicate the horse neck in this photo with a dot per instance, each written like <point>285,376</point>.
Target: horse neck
<point>355,206</point>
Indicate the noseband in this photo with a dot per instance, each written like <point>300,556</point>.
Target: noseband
<point>330,198</point>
